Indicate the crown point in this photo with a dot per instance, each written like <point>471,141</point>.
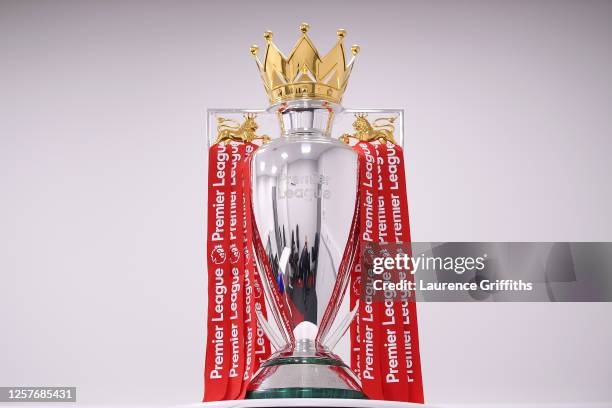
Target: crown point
<point>254,49</point>
<point>341,32</point>
<point>268,35</point>
<point>355,49</point>
<point>304,27</point>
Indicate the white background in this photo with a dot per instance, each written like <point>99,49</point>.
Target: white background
<point>103,179</point>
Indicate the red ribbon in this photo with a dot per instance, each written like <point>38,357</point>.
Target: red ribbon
<point>236,343</point>
<point>366,331</point>
<point>236,277</point>
<point>401,230</point>
<point>387,361</point>
<point>216,366</point>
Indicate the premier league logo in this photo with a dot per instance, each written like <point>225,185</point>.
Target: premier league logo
<point>234,254</point>
<point>218,255</point>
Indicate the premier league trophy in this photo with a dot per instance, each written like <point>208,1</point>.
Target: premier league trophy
<point>304,194</point>
<point>291,209</point>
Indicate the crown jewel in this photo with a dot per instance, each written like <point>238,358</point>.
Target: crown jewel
<point>304,74</point>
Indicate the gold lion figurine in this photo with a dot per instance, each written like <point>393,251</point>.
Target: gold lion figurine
<point>380,130</point>
<point>229,130</point>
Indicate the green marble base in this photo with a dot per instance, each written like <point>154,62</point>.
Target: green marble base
<point>305,393</point>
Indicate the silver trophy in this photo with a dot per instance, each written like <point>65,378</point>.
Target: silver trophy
<point>304,194</point>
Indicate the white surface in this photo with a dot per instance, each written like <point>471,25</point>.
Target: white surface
<point>330,402</point>
<point>319,402</point>
<point>103,177</point>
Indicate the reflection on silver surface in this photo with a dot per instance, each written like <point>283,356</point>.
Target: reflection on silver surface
<point>304,193</point>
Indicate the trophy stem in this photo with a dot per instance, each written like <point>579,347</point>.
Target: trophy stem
<point>306,116</point>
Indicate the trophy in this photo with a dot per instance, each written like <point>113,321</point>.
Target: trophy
<point>303,197</point>
<point>289,208</point>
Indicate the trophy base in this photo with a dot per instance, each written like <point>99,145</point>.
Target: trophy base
<point>300,374</point>
<point>305,393</point>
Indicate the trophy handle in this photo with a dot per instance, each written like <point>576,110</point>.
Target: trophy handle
<point>332,340</point>
<point>284,330</point>
<point>271,291</point>
<point>276,342</point>
<point>332,247</point>
<point>343,277</point>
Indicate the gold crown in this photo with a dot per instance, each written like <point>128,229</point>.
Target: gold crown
<point>304,74</point>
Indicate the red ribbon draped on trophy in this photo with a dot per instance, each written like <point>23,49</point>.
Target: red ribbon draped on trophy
<point>236,343</point>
